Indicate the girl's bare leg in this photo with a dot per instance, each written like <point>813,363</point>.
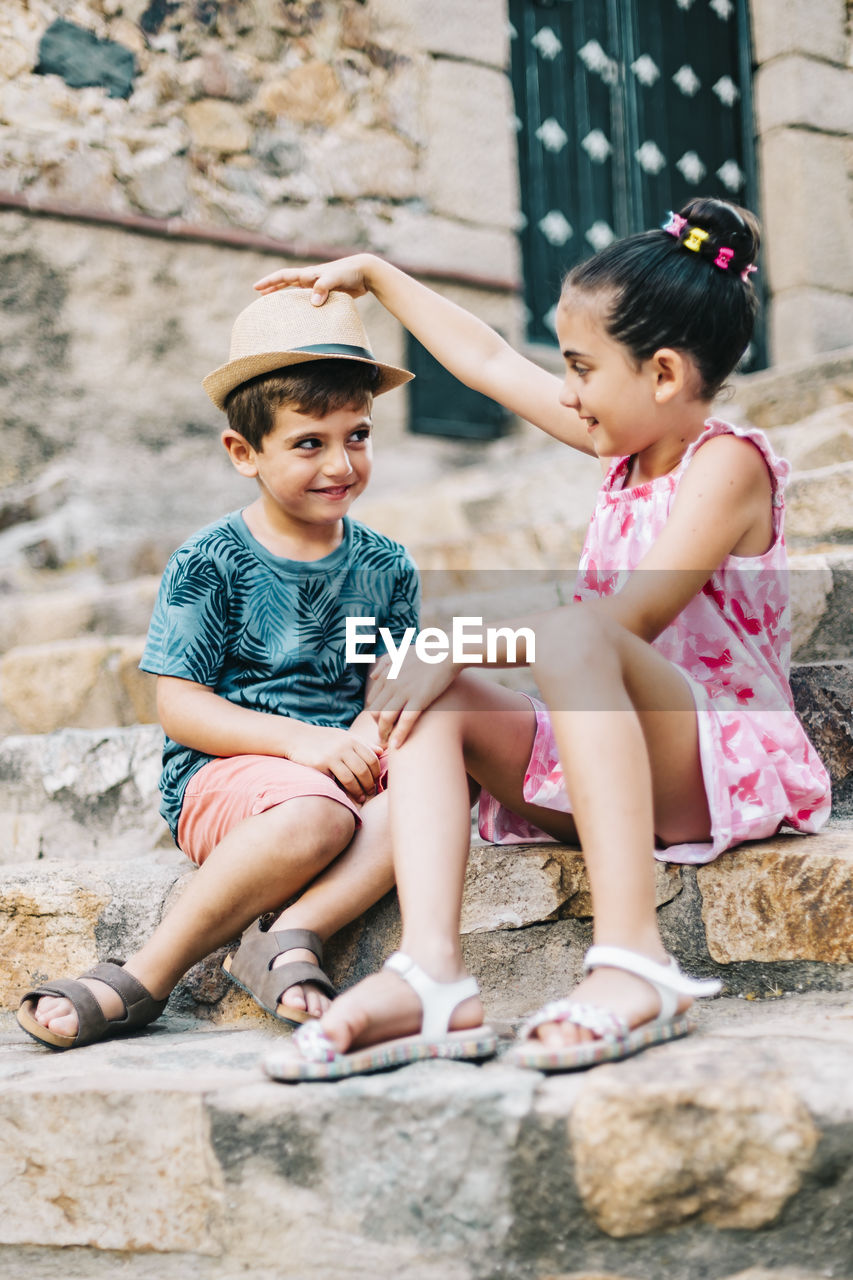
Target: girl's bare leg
<point>264,861</point>
<point>489,731</point>
<point>626,731</point>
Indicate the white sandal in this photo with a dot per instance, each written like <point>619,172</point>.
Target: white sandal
<point>614,1038</point>
<point>311,1055</point>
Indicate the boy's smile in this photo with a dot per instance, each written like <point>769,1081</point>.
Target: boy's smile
<point>309,472</point>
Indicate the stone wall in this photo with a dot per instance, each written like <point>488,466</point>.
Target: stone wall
<point>804,121</point>
<point>314,122</point>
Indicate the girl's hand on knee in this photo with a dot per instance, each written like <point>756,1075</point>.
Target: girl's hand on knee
<point>397,703</point>
<point>349,275</point>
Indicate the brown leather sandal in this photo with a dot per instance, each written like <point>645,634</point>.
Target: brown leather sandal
<point>140,1007</point>
<point>251,967</point>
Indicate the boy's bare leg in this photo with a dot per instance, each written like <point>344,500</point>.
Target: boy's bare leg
<point>266,860</point>
<point>351,884</point>
<point>488,731</point>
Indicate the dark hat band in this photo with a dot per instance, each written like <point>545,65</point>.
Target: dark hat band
<point>336,349</point>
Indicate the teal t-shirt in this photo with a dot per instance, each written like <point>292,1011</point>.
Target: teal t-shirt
<point>269,633</point>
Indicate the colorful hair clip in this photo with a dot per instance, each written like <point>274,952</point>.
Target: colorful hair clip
<point>696,239</point>
<point>747,272</point>
<point>675,225</point>
<point>723,259</point>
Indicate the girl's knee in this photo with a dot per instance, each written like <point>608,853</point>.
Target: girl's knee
<point>574,638</point>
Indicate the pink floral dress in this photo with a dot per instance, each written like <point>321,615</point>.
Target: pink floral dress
<point>732,642</point>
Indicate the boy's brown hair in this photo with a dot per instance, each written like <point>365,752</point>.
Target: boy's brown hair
<point>316,388</point>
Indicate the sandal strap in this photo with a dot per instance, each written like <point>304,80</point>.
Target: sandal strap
<point>667,979</point>
<point>601,1022</point>
<point>291,939</point>
<point>313,1043</point>
<point>298,971</point>
<point>252,964</point>
<point>438,999</point>
<point>139,1004</point>
<point>92,1025</point>
<point>91,1022</point>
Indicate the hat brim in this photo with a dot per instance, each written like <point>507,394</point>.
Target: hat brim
<point>228,377</point>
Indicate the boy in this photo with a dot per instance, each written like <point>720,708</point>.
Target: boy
<point>272,769</point>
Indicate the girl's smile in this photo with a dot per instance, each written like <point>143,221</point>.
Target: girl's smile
<point>630,408</point>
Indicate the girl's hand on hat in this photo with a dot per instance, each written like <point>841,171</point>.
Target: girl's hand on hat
<point>341,755</point>
<point>348,275</point>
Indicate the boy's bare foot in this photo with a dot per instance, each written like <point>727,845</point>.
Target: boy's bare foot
<point>384,1007</point>
<point>613,991</point>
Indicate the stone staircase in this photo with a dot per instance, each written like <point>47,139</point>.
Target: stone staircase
<point>727,1155</point>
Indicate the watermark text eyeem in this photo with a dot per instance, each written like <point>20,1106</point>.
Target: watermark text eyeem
<point>468,642</point>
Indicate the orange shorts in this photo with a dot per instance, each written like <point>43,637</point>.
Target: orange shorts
<point>225,791</point>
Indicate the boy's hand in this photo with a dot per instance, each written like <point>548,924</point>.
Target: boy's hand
<point>341,755</point>
<point>349,275</point>
<point>397,704</point>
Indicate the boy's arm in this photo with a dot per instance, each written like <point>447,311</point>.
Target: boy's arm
<point>193,715</point>
<point>471,350</point>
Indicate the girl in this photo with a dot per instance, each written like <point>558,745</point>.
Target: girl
<point>669,723</point>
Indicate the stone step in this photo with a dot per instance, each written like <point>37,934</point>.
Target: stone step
<point>792,392</point>
<point>89,682</point>
<point>770,917</point>
<point>170,1154</point>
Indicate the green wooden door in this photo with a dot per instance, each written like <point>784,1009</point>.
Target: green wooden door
<point>624,109</point>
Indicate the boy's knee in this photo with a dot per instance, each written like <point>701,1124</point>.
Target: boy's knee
<point>317,822</point>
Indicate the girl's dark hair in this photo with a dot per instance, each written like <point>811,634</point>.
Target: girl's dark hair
<point>660,294</point>
<point>315,388</point>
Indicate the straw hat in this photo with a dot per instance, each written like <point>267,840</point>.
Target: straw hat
<point>284,328</point>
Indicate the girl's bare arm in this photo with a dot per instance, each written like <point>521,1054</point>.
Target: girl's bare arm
<point>471,350</point>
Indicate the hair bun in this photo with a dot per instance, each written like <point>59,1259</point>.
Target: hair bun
<point>729,227</point>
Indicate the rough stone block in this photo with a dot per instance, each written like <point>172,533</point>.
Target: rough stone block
<point>422,241</point>
<point>808,321</point>
<point>819,504</point>
<point>311,94</point>
<point>811,583</point>
<point>793,391</point>
<point>132,1176</point>
<point>470,170</point>
<point>651,1153</point>
<point>509,887</point>
<point>59,925</point>
<point>475,31</point>
<point>82,794</point>
<point>802,91</point>
<point>785,899</point>
<point>84,683</point>
<point>353,162</point>
<point>802,252</point>
<point>162,189</point>
<point>823,695</point>
<point>814,27</point>
<point>218,126</point>
<point>290,1153</point>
